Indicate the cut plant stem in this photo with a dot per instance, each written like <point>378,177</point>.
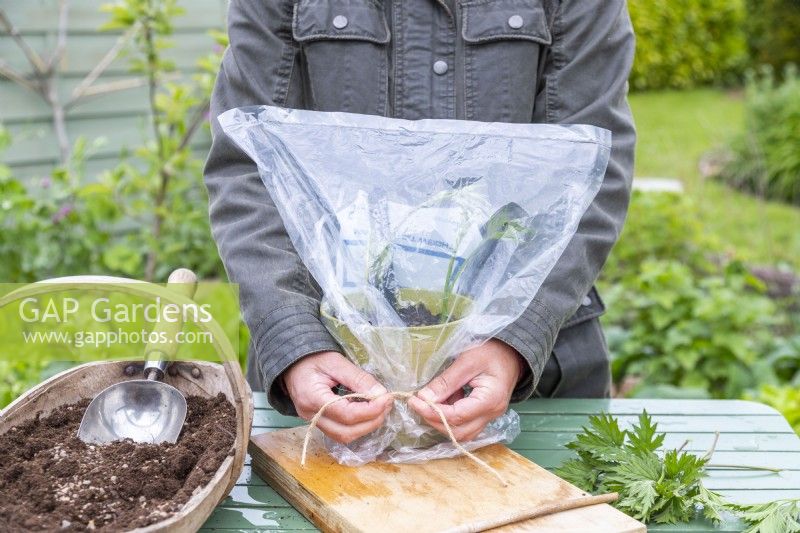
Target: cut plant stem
<point>713,447</point>
<point>720,466</point>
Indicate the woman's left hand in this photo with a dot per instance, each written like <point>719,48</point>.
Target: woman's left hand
<point>492,370</point>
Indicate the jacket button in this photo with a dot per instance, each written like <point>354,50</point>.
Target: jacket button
<point>515,21</point>
<point>440,67</point>
<point>339,22</point>
<point>586,301</point>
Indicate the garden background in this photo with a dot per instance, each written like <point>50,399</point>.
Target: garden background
<point>104,132</point>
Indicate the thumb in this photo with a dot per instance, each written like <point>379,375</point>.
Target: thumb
<point>356,379</point>
<point>447,383</point>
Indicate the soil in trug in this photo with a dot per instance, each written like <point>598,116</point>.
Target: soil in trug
<point>51,480</point>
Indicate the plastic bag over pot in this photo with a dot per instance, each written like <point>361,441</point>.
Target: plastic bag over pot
<point>427,237</point>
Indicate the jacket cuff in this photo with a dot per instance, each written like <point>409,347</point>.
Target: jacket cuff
<point>285,336</point>
<point>532,335</point>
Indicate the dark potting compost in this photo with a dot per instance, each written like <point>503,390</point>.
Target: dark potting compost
<point>51,480</point>
<point>417,315</point>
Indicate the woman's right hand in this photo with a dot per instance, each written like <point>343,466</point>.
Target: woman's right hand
<point>310,381</point>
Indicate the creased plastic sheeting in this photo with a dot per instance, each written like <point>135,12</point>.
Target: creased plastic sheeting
<point>427,237</point>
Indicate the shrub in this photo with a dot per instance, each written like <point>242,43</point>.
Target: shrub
<point>147,213</point>
<point>660,225</point>
<point>672,327</point>
<point>160,185</point>
<point>18,376</point>
<point>765,159</point>
<point>785,399</point>
<point>682,324</point>
<point>784,359</point>
<point>686,43</point>
<point>773,27</point>
<point>67,224</point>
<point>56,226</point>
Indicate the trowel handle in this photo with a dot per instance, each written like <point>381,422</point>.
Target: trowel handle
<point>158,354</point>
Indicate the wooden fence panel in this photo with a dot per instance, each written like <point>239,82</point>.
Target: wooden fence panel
<point>119,118</point>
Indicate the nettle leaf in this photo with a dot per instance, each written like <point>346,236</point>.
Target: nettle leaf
<point>713,504</point>
<point>637,467</point>
<point>578,472</point>
<point>673,511</point>
<point>592,448</point>
<point>683,466</point>
<point>654,486</point>
<point>639,499</point>
<point>604,435</point>
<point>643,437</point>
<point>781,516</point>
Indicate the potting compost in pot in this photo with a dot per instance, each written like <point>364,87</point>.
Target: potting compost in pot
<point>51,480</point>
<point>427,238</point>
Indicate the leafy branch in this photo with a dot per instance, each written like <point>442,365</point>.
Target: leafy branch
<point>176,110</point>
<point>43,77</point>
<point>661,487</point>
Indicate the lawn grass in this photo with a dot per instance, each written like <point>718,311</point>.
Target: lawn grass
<point>675,128</point>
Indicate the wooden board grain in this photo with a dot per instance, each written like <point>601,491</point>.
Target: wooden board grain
<point>434,496</point>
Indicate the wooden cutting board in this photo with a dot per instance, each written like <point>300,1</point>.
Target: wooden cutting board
<point>428,497</point>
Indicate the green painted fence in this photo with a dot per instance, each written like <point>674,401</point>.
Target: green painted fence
<point>119,118</point>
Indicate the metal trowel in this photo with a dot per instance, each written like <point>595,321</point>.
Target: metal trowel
<point>143,410</point>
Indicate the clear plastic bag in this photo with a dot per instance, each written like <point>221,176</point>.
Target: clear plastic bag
<point>427,237</point>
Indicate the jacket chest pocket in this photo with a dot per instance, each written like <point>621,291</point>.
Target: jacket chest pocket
<point>344,44</point>
<point>503,41</point>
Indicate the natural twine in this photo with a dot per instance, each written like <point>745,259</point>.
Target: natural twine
<point>543,509</point>
<point>399,395</point>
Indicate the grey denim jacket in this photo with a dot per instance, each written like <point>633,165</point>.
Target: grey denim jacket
<point>489,60</point>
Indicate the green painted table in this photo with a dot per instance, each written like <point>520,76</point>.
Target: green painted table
<point>750,434</point>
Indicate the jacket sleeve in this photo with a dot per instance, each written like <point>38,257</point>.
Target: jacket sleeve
<point>279,300</point>
<point>584,82</point>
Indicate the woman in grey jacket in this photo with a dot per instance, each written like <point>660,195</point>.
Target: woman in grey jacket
<point>553,61</point>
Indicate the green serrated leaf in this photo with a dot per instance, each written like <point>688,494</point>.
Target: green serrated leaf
<point>780,516</point>
<point>639,498</point>
<point>713,504</point>
<point>652,487</point>
<point>643,437</point>
<point>636,468</point>
<point>603,438</point>
<point>579,473</point>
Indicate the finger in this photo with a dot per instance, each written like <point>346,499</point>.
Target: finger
<point>315,394</point>
<point>422,408</point>
<point>456,396</point>
<point>470,431</point>
<point>355,378</point>
<point>460,413</point>
<point>463,433</point>
<point>448,382</point>
<point>425,411</point>
<point>350,412</point>
<point>466,416</point>
<point>351,428</point>
<point>466,410</point>
<point>346,434</point>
